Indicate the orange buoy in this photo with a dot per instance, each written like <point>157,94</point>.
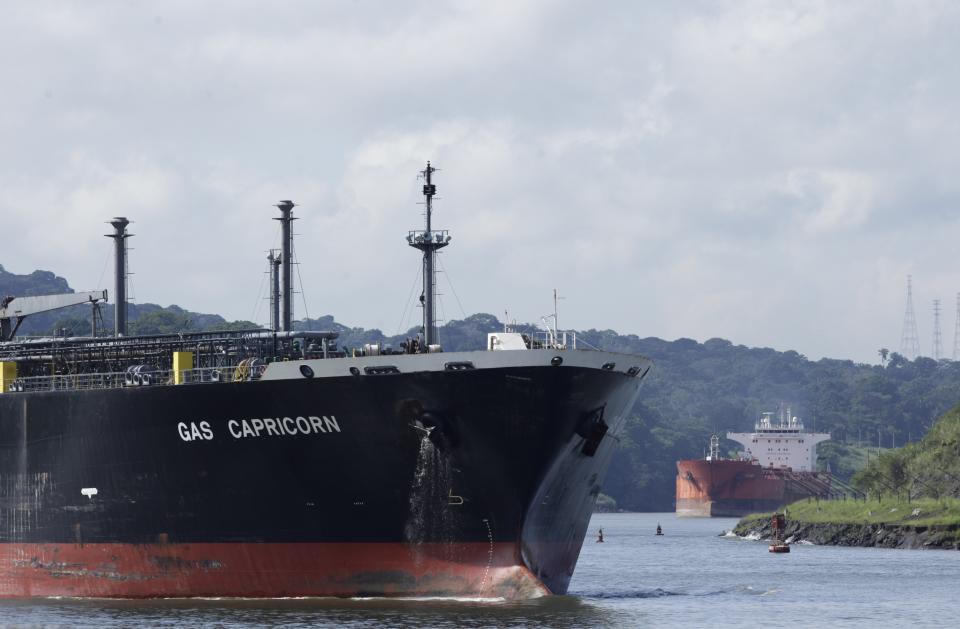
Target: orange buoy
<point>778,523</point>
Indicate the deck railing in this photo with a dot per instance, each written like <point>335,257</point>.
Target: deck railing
<point>133,378</point>
<point>559,340</point>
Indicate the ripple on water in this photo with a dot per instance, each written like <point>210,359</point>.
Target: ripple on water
<point>627,593</point>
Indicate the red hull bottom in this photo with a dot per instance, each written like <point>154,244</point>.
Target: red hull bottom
<point>736,488</point>
<point>265,570</point>
<point>724,508</point>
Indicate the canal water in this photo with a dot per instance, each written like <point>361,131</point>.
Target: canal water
<point>689,577</point>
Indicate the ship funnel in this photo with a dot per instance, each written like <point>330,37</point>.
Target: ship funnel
<point>119,237</point>
<point>286,260</point>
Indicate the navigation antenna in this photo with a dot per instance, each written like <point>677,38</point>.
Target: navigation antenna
<point>429,241</point>
<point>714,448</point>
<point>956,332</point>
<point>909,340</point>
<point>556,324</point>
<point>937,340</point>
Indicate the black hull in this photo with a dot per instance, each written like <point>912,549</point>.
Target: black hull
<point>505,476</point>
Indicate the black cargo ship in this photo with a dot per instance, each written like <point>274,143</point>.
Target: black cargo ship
<point>270,463</point>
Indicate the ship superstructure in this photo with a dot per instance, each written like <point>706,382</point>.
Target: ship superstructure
<point>781,443</point>
<point>275,462</point>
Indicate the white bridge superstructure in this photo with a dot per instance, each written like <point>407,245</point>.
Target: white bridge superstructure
<point>784,444</point>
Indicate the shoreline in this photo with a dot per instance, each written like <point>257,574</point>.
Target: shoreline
<point>868,524</point>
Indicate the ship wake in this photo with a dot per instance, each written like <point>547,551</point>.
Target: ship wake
<point>658,592</point>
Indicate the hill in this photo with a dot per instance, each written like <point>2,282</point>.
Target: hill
<point>36,283</point>
<point>143,318</point>
<point>929,468</point>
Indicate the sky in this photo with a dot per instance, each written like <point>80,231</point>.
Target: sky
<point>769,173</point>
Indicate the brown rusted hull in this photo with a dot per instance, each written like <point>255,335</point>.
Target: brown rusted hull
<point>736,488</point>
<point>262,569</point>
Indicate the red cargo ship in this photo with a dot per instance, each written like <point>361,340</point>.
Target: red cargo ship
<point>775,468</point>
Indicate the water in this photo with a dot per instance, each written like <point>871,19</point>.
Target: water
<point>690,577</point>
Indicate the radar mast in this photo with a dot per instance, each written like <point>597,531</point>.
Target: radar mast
<point>429,241</point>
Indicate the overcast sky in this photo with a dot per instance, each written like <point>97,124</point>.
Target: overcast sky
<point>763,172</point>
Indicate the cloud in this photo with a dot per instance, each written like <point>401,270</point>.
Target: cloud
<point>766,173</point>
<point>832,200</point>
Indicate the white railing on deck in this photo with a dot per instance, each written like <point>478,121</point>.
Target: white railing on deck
<point>116,380</point>
<point>549,340</point>
<point>70,382</point>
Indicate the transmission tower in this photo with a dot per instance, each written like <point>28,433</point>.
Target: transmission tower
<point>910,340</point>
<point>937,340</point>
<point>956,332</point>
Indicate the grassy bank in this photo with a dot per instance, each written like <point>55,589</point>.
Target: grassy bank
<point>920,512</point>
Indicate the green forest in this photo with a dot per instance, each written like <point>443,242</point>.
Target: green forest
<point>694,390</point>
<point>929,468</point>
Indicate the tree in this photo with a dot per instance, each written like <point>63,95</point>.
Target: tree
<point>70,326</point>
<point>159,322</point>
